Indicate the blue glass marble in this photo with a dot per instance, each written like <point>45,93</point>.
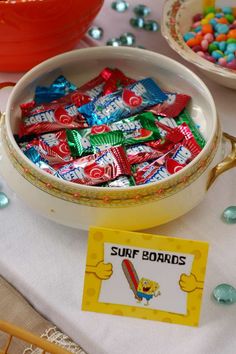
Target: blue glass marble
<point>151,26</point>
<point>120,5</point>
<point>137,22</point>
<point>4,201</point>
<point>114,42</point>
<point>224,294</point>
<point>142,10</point>
<point>127,39</point>
<point>229,215</point>
<point>96,32</point>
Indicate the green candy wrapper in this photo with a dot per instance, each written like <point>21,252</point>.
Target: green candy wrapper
<point>129,131</point>
<point>137,129</point>
<point>79,142</point>
<point>185,117</point>
<point>100,142</point>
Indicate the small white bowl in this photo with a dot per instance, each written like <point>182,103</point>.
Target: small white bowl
<point>176,21</point>
<point>131,208</point>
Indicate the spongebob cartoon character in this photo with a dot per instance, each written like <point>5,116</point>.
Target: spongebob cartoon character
<point>143,288</point>
<point>147,289</point>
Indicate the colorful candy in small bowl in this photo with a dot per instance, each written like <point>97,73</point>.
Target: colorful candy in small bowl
<point>114,137</point>
<point>203,35</point>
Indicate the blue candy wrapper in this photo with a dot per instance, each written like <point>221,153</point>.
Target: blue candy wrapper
<point>123,103</point>
<point>59,88</point>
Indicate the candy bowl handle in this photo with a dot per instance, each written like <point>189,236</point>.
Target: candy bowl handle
<point>228,162</point>
<point>2,86</point>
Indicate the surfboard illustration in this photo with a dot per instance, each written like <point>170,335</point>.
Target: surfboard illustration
<point>131,276</point>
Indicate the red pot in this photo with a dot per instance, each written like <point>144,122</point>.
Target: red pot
<point>32,31</point>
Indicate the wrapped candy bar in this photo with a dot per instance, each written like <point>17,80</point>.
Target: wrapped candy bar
<point>164,122</point>
<point>172,107</point>
<point>36,158</point>
<point>124,132</point>
<point>116,81</point>
<point>123,103</point>
<point>108,81</point>
<point>52,147</point>
<point>141,153</point>
<point>59,88</point>
<point>103,141</point>
<point>98,168</point>
<point>50,117</point>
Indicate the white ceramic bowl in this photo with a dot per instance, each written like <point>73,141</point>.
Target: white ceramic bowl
<point>176,21</point>
<point>128,208</point>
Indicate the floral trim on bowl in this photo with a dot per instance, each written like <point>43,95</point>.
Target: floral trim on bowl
<point>107,197</point>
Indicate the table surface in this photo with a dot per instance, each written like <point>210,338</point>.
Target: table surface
<point>46,261</point>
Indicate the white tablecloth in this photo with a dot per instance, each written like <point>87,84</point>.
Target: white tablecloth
<point>46,261</point>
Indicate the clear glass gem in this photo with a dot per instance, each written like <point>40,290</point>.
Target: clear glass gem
<point>96,32</point>
<point>137,22</point>
<point>120,5</point>
<point>114,42</point>
<point>4,201</point>
<point>229,215</point>
<point>225,294</point>
<point>151,26</point>
<point>127,39</point>
<point>142,10</point>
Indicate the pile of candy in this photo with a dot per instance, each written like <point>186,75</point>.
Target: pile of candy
<point>213,36</point>
<point>112,131</point>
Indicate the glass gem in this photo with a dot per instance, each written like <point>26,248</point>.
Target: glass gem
<point>225,294</point>
<point>229,215</point>
<point>128,39</point>
<point>137,22</point>
<point>96,32</point>
<point>151,26</point>
<point>142,10</point>
<point>120,5</point>
<point>4,201</point>
<point>114,42</point>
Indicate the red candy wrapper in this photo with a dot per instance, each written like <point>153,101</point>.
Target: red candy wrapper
<point>91,89</point>
<point>50,117</point>
<point>184,153</point>
<point>116,81</point>
<point>52,147</point>
<point>152,173</point>
<point>141,153</point>
<point>98,168</point>
<point>172,107</point>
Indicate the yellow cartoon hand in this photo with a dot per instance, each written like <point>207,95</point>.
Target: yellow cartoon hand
<point>189,283</point>
<point>102,270</point>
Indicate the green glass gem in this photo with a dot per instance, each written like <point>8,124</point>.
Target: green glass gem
<point>114,42</point>
<point>225,294</point>
<point>96,32</point>
<point>142,10</point>
<point>137,22</point>
<point>4,201</point>
<point>120,5</point>
<point>151,26</point>
<point>229,215</point>
<point>127,39</point>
